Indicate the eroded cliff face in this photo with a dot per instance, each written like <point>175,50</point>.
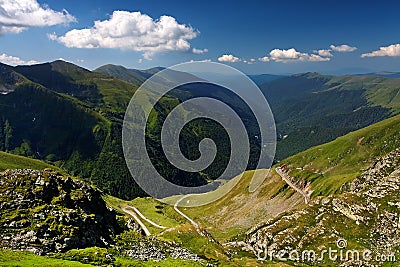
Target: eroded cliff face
<point>366,218</point>
<point>44,211</point>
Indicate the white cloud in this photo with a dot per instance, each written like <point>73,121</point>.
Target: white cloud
<point>250,61</point>
<point>14,61</point>
<point>343,48</point>
<point>324,52</point>
<point>291,55</point>
<point>390,51</point>
<point>228,58</point>
<point>18,15</point>
<point>263,59</point>
<point>199,51</point>
<point>132,31</point>
<point>314,58</point>
<point>204,60</point>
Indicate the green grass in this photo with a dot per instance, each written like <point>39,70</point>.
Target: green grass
<point>92,255</point>
<point>124,262</point>
<point>378,90</point>
<point>187,236</point>
<point>152,209</point>
<point>242,205</point>
<point>24,258</point>
<point>343,159</point>
<point>209,197</point>
<point>116,93</point>
<point>339,161</point>
<point>10,161</point>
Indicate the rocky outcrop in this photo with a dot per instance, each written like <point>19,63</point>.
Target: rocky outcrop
<point>365,218</point>
<point>44,211</point>
<point>154,249</point>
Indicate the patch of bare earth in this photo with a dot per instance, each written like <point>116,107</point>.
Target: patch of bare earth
<point>241,209</point>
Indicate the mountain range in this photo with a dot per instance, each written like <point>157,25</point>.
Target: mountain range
<point>65,190</point>
<point>41,101</point>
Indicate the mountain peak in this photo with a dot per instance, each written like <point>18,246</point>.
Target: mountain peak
<point>64,66</point>
<point>309,75</point>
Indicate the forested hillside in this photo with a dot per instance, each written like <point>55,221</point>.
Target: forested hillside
<point>72,117</point>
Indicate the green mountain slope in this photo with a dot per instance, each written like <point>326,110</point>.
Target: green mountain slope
<point>76,123</point>
<point>100,91</point>
<point>355,179</point>
<point>230,216</point>
<point>68,130</point>
<point>11,161</point>
<point>49,126</point>
<point>128,75</point>
<point>364,218</point>
<point>312,109</point>
<point>387,74</point>
<point>261,79</point>
<point>66,221</point>
<point>73,117</point>
<point>9,79</point>
<point>331,167</point>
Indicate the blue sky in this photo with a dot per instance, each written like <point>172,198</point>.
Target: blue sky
<point>253,36</point>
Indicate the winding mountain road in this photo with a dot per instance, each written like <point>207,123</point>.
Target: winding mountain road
<point>146,219</point>
<point>285,177</point>
<point>183,214</point>
<point>138,217</point>
<point>141,224</point>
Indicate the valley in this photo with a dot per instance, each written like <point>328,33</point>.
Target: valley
<point>199,133</point>
<point>68,198</point>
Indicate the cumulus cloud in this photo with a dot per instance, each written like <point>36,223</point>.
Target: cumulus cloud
<point>14,61</point>
<point>132,31</point>
<point>324,52</point>
<point>228,58</point>
<point>343,48</point>
<point>199,51</point>
<point>263,59</point>
<point>291,55</point>
<point>18,15</point>
<point>250,61</point>
<point>390,51</point>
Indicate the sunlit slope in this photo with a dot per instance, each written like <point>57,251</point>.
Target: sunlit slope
<point>10,161</point>
<point>330,167</point>
<point>109,94</point>
<point>378,91</point>
<point>243,204</point>
<point>311,109</point>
